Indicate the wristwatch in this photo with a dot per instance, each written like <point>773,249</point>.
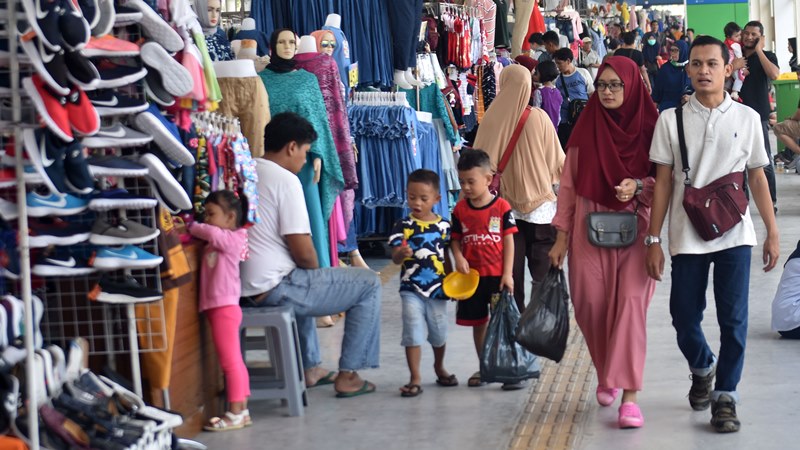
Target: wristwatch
<point>650,240</point>
<point>639,186</point>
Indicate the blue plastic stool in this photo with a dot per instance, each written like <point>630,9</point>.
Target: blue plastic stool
<point>285,380</point>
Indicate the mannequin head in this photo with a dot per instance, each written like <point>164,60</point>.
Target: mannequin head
<point>214,10</point>
<point>284,44</point>
<point>327,44</point>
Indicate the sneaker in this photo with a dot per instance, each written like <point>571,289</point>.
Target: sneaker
<point>606,396</point>
<point>700,393</point>
<point>61,264</point>
<point>38,313</point>
<point>124,257</point>
<point>10,267</point>
<point>47,154</point>
<point>51,66</point>
<point>155,91</point>
<point>90,11</point>
<point>175,77</point>
<point>124,16</point>
<point>126,291</point>
<point>80,71</point>
<point>125,232</point>
<point>155,27</point>
<point>106,18</point>
<point>79,179</point>
<point>77,360</point>
<point>165,186</point>
<point>630,416</point>
<point>69,431</point>
<point>54,231</point>
<point>111,103</point>
<point>110,46</point>
<point>59,363</point>
<point>114,76</point>
<point>8,177</point>
<point>51,108</point>
<point>15,313</point>
<point>115,166</point>
<point>120,199</point>
<point>165,134</point>
<point>75,31</point>
<point>42,17</point>
<point>54,205</point>
<point>8,210</point>
<point>116,136</point>
<point>723,415</point>
<point>82,116</point>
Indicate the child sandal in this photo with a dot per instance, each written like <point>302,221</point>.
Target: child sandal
<point>229,422</point>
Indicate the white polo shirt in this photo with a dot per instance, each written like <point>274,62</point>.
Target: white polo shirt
<point>282,208</point>
<point>719,141</point>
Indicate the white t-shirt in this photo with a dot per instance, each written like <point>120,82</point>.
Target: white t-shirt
<point>282,208</point>
<point>724,140</point>
<point>786,305</point>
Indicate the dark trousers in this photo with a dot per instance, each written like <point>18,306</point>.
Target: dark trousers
<point>688,301</point>
<point>564,132</point>
<point>533,241</point>
<point>404,16</point>
<point>791,334</point>
<point>769,171</point>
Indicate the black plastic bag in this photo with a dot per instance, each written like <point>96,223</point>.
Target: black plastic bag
<point>544,326</point>
<point>503,360</point>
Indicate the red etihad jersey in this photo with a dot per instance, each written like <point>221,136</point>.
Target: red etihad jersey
<point>481,232</point>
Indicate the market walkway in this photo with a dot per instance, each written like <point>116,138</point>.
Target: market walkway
<point>559,411</point>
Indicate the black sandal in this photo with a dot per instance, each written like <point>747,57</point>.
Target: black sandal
<point>413,390</point>
<point>448,381</point>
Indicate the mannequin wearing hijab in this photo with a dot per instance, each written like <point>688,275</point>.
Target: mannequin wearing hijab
<point>610,287</point>
<point>208,14</point>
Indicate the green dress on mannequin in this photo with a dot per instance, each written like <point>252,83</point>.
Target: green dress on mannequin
<point>298,92</point>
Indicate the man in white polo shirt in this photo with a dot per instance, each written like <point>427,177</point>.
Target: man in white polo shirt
<point>722,137</point>
<point>283,270</point>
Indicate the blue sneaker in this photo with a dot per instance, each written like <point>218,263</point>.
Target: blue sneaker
<point>47,154</point>
<point>124,257</point>
<point>165,135</point>
<point>10,263</point>
<point>54,205</point>
<point>79,179</point>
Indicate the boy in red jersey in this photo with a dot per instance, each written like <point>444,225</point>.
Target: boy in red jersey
<point>482,238</point>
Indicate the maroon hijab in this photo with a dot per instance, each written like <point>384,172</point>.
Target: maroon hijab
<point>614,144</point>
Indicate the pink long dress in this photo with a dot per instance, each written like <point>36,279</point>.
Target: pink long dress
<point>610,288</point>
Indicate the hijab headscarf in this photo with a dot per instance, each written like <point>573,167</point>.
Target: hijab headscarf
<point>527,62</point>
<point>684,51</point>
<point>276,63</point>
<point>201,9</point>
<point>614,144</point>
<point>317,35</point>
<point>537,159</point>
<point>650,52</point>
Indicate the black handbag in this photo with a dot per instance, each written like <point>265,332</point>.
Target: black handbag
<point>574,106</point>
<point>612,229</point>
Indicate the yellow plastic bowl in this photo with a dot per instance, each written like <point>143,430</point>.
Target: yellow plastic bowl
<point>459,286</point>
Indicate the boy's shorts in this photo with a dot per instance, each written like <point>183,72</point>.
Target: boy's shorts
<point>788,127</point>
<point>475,310</point>
<point>419,311</point>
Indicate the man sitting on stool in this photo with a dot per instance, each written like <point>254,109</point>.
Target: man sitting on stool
<point>786,305</point>
<point>283,270</point>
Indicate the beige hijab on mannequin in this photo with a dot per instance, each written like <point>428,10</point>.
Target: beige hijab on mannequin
<point>538,158</point>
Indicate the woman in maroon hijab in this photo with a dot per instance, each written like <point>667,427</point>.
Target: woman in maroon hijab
<point>608,169</point>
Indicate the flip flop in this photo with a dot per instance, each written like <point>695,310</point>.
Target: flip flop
<point>475,380</point>
<point>366,388</point>
<point>447,381</point>
<point>327,379</point>
<point>413,390</point>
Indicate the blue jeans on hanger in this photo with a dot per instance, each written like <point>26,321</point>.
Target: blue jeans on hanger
<point>323,292</point>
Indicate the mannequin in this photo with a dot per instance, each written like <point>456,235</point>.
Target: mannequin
<point>326,41</point>
<point>208,14</point>
<point>404,48</point>
<point>333,21</point>
<point>307,45</point>
<point>249,31</point>
<point>298,91</point>
<point>522,17</point>
<point>341,53</point>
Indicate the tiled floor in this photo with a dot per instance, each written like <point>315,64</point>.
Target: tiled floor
<point>560,411</point>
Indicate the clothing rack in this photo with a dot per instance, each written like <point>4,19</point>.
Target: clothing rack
<point>438,8</point>
<point>215,121</point>
<point>380,99</point>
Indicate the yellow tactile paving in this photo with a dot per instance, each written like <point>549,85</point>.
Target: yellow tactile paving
<point>556,412</point>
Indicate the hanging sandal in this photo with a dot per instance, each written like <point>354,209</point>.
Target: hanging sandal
<point>229,422</point>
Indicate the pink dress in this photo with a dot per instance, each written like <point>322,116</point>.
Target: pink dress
<point>610,288</point>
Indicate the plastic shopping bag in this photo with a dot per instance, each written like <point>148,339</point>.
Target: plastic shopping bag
<point>544,326</point>
<point>503,360</point>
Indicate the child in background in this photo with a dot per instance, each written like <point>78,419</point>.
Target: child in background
<point>733,39</point>
<point>419,242</point>
<point>220,290</point>
<point>482,238</point>
<point>548,97</point>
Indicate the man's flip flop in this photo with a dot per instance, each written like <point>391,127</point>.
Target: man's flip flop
<point>475,380</point>
<point>366,388</point>
<point>413,390</point>
<point>327,379</point>
<point>447,381</point>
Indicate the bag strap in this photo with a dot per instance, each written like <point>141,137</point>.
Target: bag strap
<point>682,143</point>
<point>564,85</point>
<point>513,142</point>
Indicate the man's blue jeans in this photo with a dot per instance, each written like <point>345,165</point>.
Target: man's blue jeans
<point>688,301</point>
<point>323,292</point>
